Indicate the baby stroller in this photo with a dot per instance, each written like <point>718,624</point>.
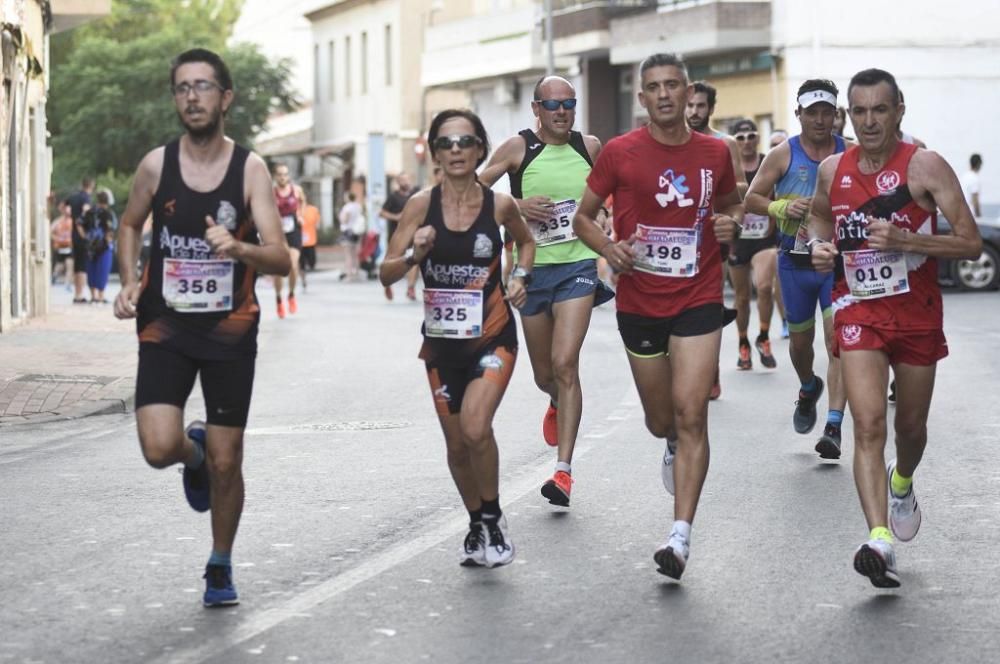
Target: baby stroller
<point>368,253</point>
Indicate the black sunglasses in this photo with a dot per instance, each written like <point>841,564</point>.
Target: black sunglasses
<point>750,136</point>
<point>447,142</point>
<point>554,104</point>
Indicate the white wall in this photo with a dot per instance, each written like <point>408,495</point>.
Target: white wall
<point>945,57</point>
<point>281,31</point>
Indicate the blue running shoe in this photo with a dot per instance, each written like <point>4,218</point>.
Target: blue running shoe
<point>196,479</point>
<point>219,589</point>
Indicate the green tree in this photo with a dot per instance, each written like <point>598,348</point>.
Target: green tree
<point>110,102</point>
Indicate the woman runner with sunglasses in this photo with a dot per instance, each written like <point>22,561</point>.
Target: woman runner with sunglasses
<point>452,231</point>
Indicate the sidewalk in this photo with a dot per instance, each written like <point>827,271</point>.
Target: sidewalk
<point>77,361</point>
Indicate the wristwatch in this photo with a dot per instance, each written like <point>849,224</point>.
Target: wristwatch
<point>408,257</point>
<point>812,243</point>
<point>522,274</point>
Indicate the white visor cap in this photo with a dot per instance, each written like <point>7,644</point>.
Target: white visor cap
<point>807,99</point>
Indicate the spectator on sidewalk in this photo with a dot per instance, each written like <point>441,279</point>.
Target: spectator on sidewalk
<point>79,203</point>
<point>971,184</point>
<point>99,224</point>
<point>61,232</point>
<point>392,211</point>
<point>352,229</point>
<point>310,228</point>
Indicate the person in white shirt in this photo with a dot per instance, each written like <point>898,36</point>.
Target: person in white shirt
<point>970,183</point>
<point>352,229</point>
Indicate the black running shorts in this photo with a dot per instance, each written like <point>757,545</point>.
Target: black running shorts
<point>650,337</point>
<point>167,377</point>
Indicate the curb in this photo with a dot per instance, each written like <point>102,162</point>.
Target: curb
<point>75,411</point>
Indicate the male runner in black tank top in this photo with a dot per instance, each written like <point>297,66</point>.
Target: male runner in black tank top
<point>196,308</point>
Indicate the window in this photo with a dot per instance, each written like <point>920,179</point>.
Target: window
<point>388,55</point>
<point>347,66</point>
<point>364,63</point>
<point>331,78</point>
<point>316,78</point>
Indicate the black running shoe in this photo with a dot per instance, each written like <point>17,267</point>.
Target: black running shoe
<point>892,393</point>
<point>804,418</point>
<point>829,443</point>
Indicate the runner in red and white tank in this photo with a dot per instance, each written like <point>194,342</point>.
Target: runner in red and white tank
<point>291,202</point>
<point>878,203</point>
<point>676,203</point>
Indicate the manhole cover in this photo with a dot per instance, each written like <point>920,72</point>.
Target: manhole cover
<point>359,425</point>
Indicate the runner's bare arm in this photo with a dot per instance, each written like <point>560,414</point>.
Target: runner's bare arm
<point>300,194</point>
<point>775,163</point>
<point>394,266</point>
<point>728,217</point>
<point>140,202</point>
<point>509,216</point>
<point>272,255</point>
<point>594,146</point>
<point>734,154</point>
<point>618,254</point>
<point>820,219</point>
<point>933,183</point>
<point>506,159</point>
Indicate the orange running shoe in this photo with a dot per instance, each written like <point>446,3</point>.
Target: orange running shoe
<point>281,308</point>
<point>745,363</point>
<point>716,388</point>
<point>411,293</point>
<point>550,427</point>
<point>766,358</point>
<point>292,306</point>
<point>557,489</point>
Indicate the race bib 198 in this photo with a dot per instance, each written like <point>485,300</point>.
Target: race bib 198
<point>453,313</point>
<point>872,274</point>
<point>667,252</point>
<point>755,226</point>
<point>198,286</point>
<point>558,228</point>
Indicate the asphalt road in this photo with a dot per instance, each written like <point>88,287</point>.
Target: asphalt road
<point>347,549</point>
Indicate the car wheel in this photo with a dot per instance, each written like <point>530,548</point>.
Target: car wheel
<point>980,274</point>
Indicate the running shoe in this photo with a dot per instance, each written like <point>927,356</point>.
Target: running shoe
<point>411,293</point>
<point>219,589</point>
<point>550,426</point>
<point>473,553</point>
<point>667,468</point>
<point>671,558</point>
<point>766,358</point>
<point>804,418</point>
<point>557,489</point>
<point>281,309</point>
<point>388,293</point>
<point>716,388</point>
<point>877,560</point>
<point>744,362</point>
<point>293,307</point>
<point>904,512</point>
<point>892,393</point>
<point>829,443</point>
<point>196,479</point>
<point>499,548</point>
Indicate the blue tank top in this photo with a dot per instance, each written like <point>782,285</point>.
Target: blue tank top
<point>799,181</point>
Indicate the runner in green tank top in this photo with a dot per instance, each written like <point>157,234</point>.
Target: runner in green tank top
<point>548,171</point>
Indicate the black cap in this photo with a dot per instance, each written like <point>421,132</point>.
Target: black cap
<point>742,125</point>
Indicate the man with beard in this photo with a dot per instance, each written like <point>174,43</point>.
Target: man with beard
<point>548,171</point>
<point>197,314</point>
<point>873,221</point>
<point>788,174</point>
<point>392,212</point>
<point>676,201</point>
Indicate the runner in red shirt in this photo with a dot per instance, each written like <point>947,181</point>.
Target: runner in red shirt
<point>878,202</point>
<point>675,202</point>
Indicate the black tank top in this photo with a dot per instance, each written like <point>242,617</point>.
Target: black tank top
<point>212,311</point>
<point>468,260</point>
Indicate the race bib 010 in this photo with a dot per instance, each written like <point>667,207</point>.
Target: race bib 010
<point>198,286</point>
<point>666,252</point>
<point>558,228</point>
<point>453,313</point>
<point>873,274</point>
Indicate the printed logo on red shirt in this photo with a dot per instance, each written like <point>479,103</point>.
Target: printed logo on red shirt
<point>850,335</point>
<point>886,182</point>
<point>675,190</point>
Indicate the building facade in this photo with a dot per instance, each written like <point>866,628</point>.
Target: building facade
<point>25,158</point>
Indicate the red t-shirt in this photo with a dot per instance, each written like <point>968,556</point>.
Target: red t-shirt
<point>666,186</point>
<point>854,196</point>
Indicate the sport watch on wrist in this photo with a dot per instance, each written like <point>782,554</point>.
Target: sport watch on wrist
<point>408,257</point>
<point>522,274</point>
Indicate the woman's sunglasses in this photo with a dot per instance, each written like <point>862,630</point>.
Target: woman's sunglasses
<point>448,142</point>
<point>750,136</point>
<point>554,104</point>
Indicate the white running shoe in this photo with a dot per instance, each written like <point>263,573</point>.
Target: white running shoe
<point>473,551</point>
<point>904,512</point>
<point>499,548</point>
<point>876,559</point>
<point>667,468</point>
<point>671,557</point>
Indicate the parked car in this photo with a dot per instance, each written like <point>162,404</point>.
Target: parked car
<point>976,275</point>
